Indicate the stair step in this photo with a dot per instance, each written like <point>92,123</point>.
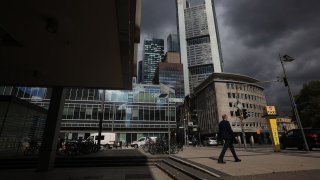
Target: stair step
<point>190,171</point>
<point>200,167</point>
<point>172,172</point>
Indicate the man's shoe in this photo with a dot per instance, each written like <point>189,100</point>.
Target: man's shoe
<point>221,162</point>
<point>237,160</point>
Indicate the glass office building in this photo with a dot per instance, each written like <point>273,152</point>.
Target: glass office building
<point>143,111</point>
<point>173,43</point>
<point>171,74</point>
<point>153,54</point>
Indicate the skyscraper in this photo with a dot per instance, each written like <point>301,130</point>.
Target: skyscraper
<point>199,42</point>
<point>170,73</point>
<point>173,43</point>
<point>153,54</point>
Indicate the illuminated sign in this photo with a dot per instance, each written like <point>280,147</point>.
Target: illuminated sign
<point>270,110</point>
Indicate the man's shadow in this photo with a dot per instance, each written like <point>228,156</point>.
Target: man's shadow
<point>216,159</point>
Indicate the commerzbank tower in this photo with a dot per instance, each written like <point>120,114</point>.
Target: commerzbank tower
<point>199,42</point>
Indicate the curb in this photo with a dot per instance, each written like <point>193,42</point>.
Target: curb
<point>195,166</point>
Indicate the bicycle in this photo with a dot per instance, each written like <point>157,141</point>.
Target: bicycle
<point>32,149</point>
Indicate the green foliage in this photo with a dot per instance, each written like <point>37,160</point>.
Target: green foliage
<point>308,103</point>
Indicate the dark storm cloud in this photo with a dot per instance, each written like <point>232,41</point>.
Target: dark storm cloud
<point>261,22</point>
<point>158,17</point>
<point>255,32</point>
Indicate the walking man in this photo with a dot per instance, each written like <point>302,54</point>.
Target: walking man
<point>226,134</point>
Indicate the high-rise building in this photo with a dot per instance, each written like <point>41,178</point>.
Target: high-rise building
<point>170,73</point>
<point>153,54</point>
<point>199,42</point>
<point>173,43</point>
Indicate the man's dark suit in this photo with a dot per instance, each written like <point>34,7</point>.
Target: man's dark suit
<point>226,134</point>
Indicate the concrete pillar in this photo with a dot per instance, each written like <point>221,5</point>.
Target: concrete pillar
<point>251,140</point>
<point>239,139</point>
<point>50,136</point>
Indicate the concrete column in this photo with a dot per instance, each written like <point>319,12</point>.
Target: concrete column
<point>50,136</point>
<point>239,139</point>
<point>251,140</point>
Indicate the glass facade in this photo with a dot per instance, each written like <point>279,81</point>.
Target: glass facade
<point>173,43</point>
<point>144,109</point>
<point>153,54</point>
<point>20,121</point>
<point>171,74</point>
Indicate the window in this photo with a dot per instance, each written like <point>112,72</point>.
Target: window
<point>95,113</point>
<point>83,112</point>
<point>204,69</point>
<point>231,113</point>
<point>91,94</point>
<point>65,112</point>
<point>230,104</point>
<point>73,94</point>
<point>89,112</point>
<point>76,113</point>
<point>79,94</point>
<point>70,112</point>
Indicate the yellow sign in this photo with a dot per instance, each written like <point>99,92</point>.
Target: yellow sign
<point>272,125</point>
<point>270,110</point>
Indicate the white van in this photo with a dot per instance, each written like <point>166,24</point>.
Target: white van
<point>106,138</point>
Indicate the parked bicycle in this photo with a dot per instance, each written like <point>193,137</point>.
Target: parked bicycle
<point>161,147</point>
<point>32,148</point>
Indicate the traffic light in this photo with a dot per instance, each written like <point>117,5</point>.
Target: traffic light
<point>245,113</point>
<point>285,81</point>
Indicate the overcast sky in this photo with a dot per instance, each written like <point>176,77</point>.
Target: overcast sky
<point>253,33</point>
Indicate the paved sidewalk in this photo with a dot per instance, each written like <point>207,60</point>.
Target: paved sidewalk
<point>255,160</point>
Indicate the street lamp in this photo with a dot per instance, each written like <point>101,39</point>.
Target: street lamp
<point>239,106</point>
<point>287,58</point>
<point>185,131</point>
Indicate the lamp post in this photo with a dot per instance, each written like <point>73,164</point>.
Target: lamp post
<point>169,137</point>
<point>185,131</point>
<point>287,58</point>
<point>239,106</point>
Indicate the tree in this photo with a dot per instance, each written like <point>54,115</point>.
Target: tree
<point>308,104</point>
